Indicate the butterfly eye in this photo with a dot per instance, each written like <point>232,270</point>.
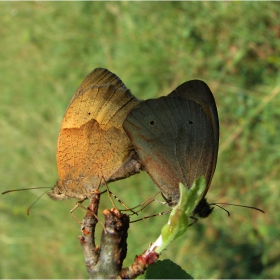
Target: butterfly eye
<point>191,122</point>
<point>152,122</point>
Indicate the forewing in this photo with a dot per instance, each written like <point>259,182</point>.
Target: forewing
<point>174,139</point>
<point>199,92</point>
<point>92,143</point>
<point>99,76</point>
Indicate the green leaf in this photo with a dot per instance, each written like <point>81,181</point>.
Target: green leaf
<point>178,221</point>
<point>166,269</point>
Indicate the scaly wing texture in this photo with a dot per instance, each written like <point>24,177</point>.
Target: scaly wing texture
<point>174,139</point>
<point>99,76</point>
<point>92,143</point>
<point>199,92</point>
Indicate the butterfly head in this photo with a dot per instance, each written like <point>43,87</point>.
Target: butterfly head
<point>65,189</point>
<point>203,208</point>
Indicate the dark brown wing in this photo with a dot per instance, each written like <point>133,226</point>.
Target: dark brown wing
<point>174,139</point>
<point>199,92</point>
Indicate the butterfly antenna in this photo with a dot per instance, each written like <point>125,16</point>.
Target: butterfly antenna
<point>28,209</point>
<point>26,189</point>
<point>244,206</point>
<point>221,208</point>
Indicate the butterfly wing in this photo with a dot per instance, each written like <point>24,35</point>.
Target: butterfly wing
<point>92,143</point>
<point>174,139</point>
<point>199,92</point>
<point>99,76</point>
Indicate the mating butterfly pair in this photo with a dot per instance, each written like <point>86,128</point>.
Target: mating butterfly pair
<point>107,134</point>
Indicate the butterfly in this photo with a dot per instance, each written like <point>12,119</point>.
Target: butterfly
<point>176,138</point>
<point>92,147</point>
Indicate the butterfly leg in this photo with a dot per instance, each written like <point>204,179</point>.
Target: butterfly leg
<point>110,194</point>
<point>75,207</point>
<point>147,217</point>
<point>145,203</point>
<point>194,221</point>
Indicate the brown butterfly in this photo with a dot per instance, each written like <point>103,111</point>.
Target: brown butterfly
<point>92,146</point>
<point>177,138</point>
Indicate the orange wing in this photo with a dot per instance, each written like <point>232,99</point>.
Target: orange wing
<point>92,143</point>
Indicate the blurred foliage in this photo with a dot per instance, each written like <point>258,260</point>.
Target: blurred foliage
<point>47,48</point>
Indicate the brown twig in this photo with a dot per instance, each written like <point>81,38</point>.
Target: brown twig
<point>87,240</point>
<point>140,264</point>
<point>113,247</point>
<point>105,262</point>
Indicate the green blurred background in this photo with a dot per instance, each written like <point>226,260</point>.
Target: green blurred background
<point>46,50</point>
